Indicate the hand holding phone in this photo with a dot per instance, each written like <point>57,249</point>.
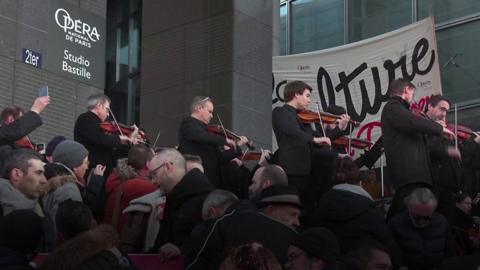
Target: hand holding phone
<point>43,91</point>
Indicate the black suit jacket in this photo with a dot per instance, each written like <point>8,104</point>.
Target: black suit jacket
<point>294,141</point>
<point>19,128</point>
<point>194,139</point>
<point>406,152</point>
<point>100,145</point>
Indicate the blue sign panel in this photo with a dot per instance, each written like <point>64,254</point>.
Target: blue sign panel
<point>32,58</point>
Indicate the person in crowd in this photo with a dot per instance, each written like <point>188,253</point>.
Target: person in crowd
<point>250,256</point>
<point>349,212</point>
<point>93,249</point>
<point>463,225</point>
<point>241,223</point>
<point>73,218</point>
<point>216,203</point>
<point>185,192</point>
<point>194,139</point>
<point>264,177</point>
<point>423,234</point>
<point>52,144</point>
<point>281,203</point>
<point>194,161</point>
<point>371,255</point>
<point>99,144</point>
<point>128,181</point>
<point>23,182</point>
<point>295,141</point>
<point>406,151</point>
<point>21,232</point>
<point>315,248</point>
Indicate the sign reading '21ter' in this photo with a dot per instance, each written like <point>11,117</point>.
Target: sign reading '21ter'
<point>76,43</point>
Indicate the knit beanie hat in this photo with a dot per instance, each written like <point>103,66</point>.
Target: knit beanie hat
<point>21,230</point>
<point>52,144</point>
<point>70,153</point>
<point>318,242</point>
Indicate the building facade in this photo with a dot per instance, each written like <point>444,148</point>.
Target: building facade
<point>309,25</point>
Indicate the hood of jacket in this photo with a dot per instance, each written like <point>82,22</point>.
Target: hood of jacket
<point>56,182</point>
<point>122,173</point>
<point>12,199</point>
<point>342,205</point>
<point>192,184</point>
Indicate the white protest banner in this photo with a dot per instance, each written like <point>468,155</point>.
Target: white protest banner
<point>356,76</point>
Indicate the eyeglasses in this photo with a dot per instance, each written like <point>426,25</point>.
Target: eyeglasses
<point>152,172</point>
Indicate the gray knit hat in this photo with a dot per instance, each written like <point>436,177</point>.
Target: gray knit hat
<point>70,153</point>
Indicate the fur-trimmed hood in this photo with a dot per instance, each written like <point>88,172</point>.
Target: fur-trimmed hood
<point>81,249</point>
<point>122,173</point>
<point>56,182</point>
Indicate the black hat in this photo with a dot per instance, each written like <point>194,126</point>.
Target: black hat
<point>334,109</point>
<point>279,194</point>
<point>318,242</point>
<point>52,144</point>
<point>21,230</point>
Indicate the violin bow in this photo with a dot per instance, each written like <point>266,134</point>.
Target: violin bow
<point>156,139</point>
<point>456,131</point>
<point>115,121</point>
<point>350,129</point>
<point>221,125</point>
<point>321,121</point>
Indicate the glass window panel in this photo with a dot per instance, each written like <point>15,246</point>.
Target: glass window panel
<point>368,18</point>
<point>446,10</point>
<point>283,29</point>
<point>317,24</point>
<point>460,81</point>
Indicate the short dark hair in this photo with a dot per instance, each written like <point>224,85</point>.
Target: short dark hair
<point>397,86</point>
<point>73,218</point>
<point>19,159</point>
<point>293,88</point>
<point>435,99</point>
<point>460,197</point>
<point>346,171</point>
<point>363,253</point>
<point>138,155</point>
<point>14,111</point>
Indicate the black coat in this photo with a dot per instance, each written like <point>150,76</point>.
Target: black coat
<point>405,148</point>
<point>444,168</point>
<point>353,218</point>
<point>194,139</point>
<point>12,260</point>
<point>183,209</point>
<point>19,128</point>
<point>422,248</point>
<point>100,145</point>
<point>242,223</point>
<point>294,141</point>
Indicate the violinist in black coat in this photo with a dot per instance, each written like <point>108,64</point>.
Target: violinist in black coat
<point>405,145</point>
<point>87,131</point>
<point>194,139</point>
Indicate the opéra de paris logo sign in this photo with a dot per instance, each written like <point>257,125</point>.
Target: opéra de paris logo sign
<point>75,30</point>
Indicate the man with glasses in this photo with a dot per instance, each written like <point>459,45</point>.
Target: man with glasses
<point>405,144</point>
<point>100,145</point>
<point>185,192</point>
<point>422,234</point>
<point>195,139</point>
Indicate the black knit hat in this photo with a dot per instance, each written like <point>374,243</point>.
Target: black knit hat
<point>52,144</point>
<point>279,194</point>
<point>318,242</point>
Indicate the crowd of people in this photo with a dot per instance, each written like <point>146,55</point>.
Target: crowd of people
<point>91,201</point>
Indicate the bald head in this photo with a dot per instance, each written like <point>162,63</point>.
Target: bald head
<point>267,176</point>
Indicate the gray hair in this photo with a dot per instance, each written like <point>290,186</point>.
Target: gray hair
<point>94,99</point>
<point>218,198</point>
<point>172,155</point>
<point>199,101</point>
<point>275,174</point>
<point>421,195</point>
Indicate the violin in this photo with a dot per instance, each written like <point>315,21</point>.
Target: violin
<point>254,156</point>
<point>355,142</point>
<point>307,116</point>
<point>112,127</point>
<point>463,133</point>
<point>219,130</point>
<point>422,114</point>
<point>26,143</point>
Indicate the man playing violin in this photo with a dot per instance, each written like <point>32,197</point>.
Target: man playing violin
<point>295,141</point>
<point>194,139</point>
<point>404,141</point>
<point>87,131</point>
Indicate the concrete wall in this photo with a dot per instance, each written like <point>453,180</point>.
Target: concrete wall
<point>23,24</point>
<point>217,48</point>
